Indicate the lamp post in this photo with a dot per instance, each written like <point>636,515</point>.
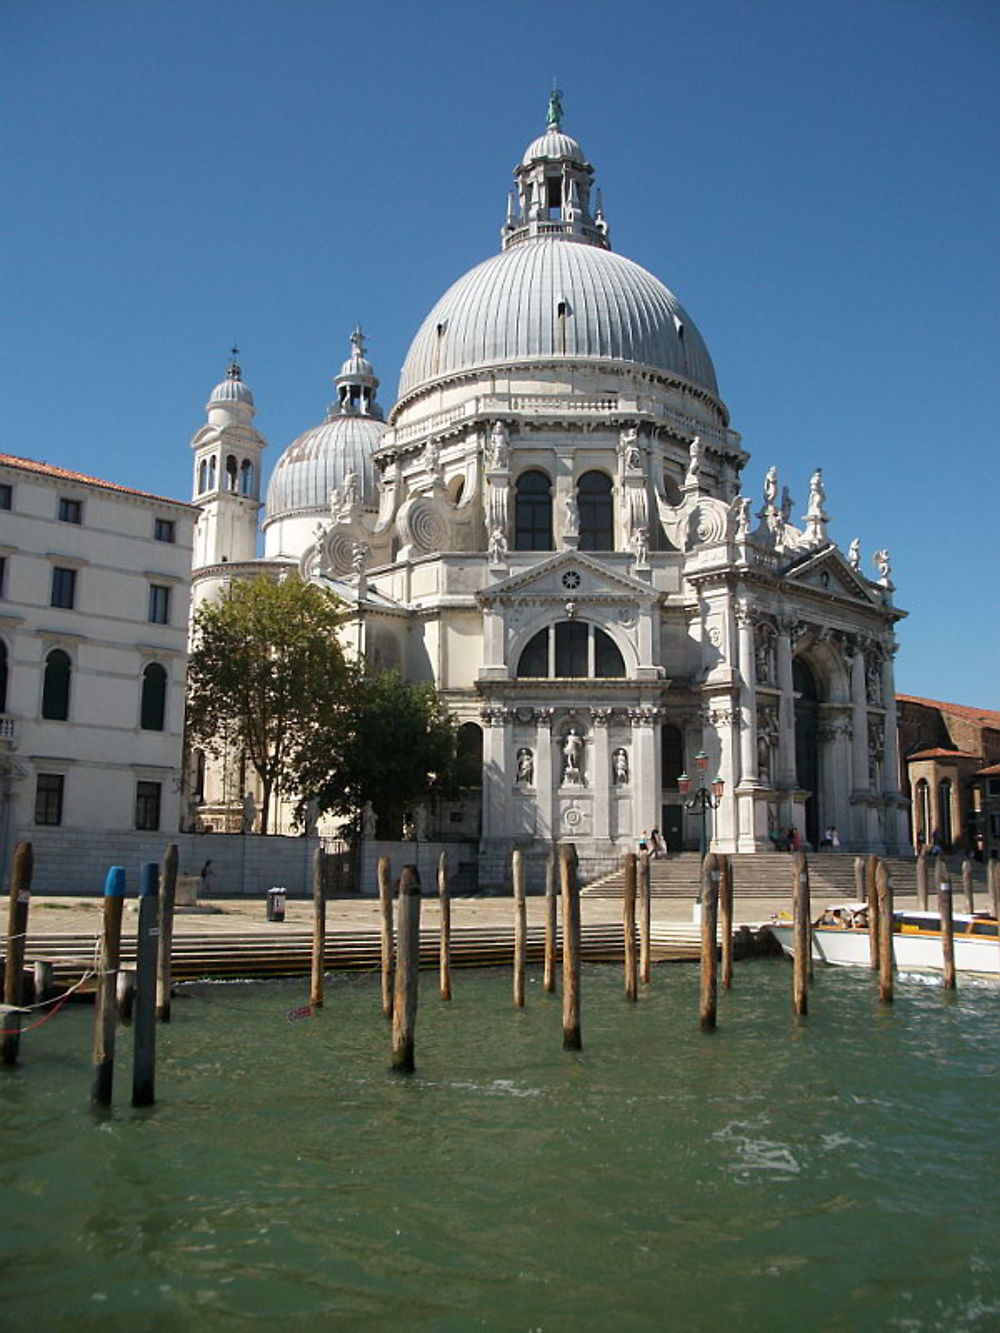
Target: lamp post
<point>704,798</point>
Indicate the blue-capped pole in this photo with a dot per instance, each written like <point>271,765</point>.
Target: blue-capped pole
<point>147,943</point>
<point>149,879</point>
<point>114,882</point>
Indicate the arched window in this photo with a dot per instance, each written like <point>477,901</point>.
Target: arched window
<point>597,529</point>
<point>923,812</point>
<point>571,649</point>
<point>533,512</point>
<point>246,477</point>
<point>211,473</point>
<point>203,476</point>
<point>55,687</point>
<point>154,697</point>
<point>945,827</point>
<point>671,755</point>
<point>3,677</point>
<point>231,472</point>
<point>469,748</point>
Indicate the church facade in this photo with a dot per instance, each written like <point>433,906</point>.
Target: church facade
<point>550,526</point>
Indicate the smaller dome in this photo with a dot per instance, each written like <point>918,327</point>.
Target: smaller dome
<point>356,367</point>
<point>231,389</point>
<point>319,460</point>
<point>553,145</point>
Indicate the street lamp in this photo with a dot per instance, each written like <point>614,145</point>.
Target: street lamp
<point>704,798</point>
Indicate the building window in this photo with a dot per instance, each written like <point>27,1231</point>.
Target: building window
<point>70,511</point>
<point>3,677</point>
<point>147,806</point>
<point>246,477</point>
<point>671,755</point>
<point>49,798</point>
<point>159,604</point>
<point>154,697</point>
<point>231,474</point>
<point>944,813</point>
<point>203,476</point>
<point>571,649</point>
<point>993,786</point>
<point>164,530</point>
<point>533,512</point>
<point>63,588</point>
<point>3,574</point>
<point>596,513</point>
<point>6,495</point>
<point>55,686</point>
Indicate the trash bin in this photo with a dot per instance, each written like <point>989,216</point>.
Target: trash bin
<point>276,904</point>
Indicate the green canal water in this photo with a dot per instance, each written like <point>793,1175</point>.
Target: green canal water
<point>836,1173</point>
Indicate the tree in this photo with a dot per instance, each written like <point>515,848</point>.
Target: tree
<point>267,672</point>
<point>396,749</point>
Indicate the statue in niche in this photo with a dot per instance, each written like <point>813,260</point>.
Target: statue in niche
<point>499,445</point>
<point>762,658</point>
<point>525,766</point>
<point>571,522</point>
<point>572,749</point>
<point>770,486</point>
<point>619,767</point>
<point>628,450</point>
<point>764,760</point>
<point>639,541</point>
<point>873,681</point>
<point>368,821</point>
<point>817,494</point>
<point>854,553</point>
<point>695,454</point>
<point>432,459</point>
<point>497,547</point>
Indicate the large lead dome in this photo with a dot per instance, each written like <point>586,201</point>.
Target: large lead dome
<point>556,291</point>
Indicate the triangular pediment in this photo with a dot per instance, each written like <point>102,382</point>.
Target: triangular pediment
<point>570,574</point>
<point>829,573</point>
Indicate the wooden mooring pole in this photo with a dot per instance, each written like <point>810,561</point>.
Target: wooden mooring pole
<point>967,885</point>
<point>645,918</point>
<point>125,994</point>
<point>801,934</point>
<point>317,981</point>
<point>883,884</point>
<point>942,878</point>
<point>551,922</point>
<point>993,877</point>
<point>107,981</point>
<point>628,926</point>
<point>407,988</point>
<point>871,898</point>
<point>17,928</point>
<point>520,927</point>
<point>384,873</point>
<point>144,1023</point>
<point>444,899</point>
<point>168,891</point>
<point>726,920</point>
<point>572,1039</point>
<point>922,881</point>
<point>709,992</point>
<point>859,879</point>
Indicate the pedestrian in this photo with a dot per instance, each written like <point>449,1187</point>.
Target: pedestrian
<point>834,838</point>
<point>935,842</point>
<point>794,841</point>
<point>205,879</point>
<point>643,842</point>
<point>657,846</point>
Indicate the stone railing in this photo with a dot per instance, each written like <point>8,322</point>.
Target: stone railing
<point>8,730</point>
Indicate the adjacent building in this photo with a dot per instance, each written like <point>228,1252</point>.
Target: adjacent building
<point>94,603</point>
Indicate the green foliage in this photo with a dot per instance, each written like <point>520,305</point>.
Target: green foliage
<point>267,674</point>
<point>396,749</point>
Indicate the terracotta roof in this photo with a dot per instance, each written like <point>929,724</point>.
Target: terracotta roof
<point>939,753</point>
<point>983,716</point>
<point>49,470</point>
<point>991,772</point>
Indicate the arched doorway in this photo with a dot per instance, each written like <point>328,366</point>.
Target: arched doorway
<point>806,744</point>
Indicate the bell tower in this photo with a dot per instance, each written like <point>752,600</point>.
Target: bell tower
<point>226,483</point>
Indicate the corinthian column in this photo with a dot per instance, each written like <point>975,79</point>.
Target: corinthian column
<point>859,721</point>
<point>543,772</point>
<point>748,711</point>
<point>786,706</point>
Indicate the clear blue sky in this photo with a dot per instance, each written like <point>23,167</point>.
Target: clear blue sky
<point>816,182</point>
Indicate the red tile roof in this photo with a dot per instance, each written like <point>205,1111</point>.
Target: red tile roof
<point>983,716</point>
<point>49,470</point>
<point>991,772</point>
<point>939,753</point>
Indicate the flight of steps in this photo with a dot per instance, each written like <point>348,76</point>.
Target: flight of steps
<point>769,875</point>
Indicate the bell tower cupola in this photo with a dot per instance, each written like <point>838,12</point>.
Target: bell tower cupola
<point>357,383</point>
<point>227,464</point>
<point>553,187</point>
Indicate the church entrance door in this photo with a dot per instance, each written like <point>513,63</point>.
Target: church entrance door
<point>671,826</point>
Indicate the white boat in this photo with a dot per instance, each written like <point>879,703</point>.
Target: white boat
<point>840,937</point>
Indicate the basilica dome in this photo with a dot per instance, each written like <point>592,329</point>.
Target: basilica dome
<point>321,459</point>
<point>554,297</point>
